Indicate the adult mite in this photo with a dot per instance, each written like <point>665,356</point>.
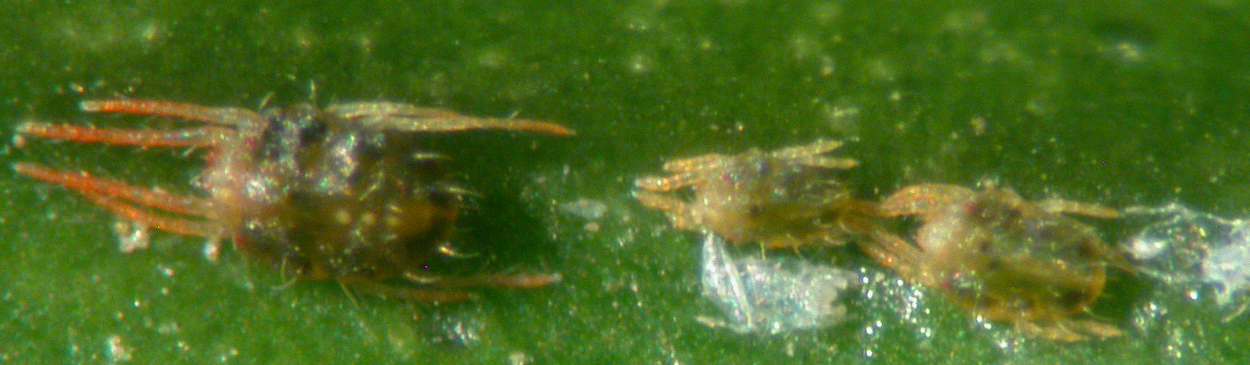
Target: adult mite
<point>343,193</point>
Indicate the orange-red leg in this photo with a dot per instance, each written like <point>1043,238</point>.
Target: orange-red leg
<point>112,194</point>
<point>181,226</point>
<point>190,137</point>
<point>86,184</point>
<point>215,115</point>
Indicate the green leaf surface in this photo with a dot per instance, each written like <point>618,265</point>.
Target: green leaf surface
<point>1118,103</point>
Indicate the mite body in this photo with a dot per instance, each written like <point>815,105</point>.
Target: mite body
<point>1004,258</point>
<point>343,193</point>
<point>785,198</point>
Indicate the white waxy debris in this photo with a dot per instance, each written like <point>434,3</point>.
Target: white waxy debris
<point>519,358</point>
<point>212,250</point>
<point>771,295</point>
<point>131,236</point>
<point>586,209</point>
<point>1227,266</point>
<point>1188,247</point>
<point>118,351</point>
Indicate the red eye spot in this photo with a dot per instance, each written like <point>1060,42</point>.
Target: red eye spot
<point>973,208</point>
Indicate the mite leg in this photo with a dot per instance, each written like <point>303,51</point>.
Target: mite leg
<point>896,253</point>
<point>357,110</point>
<point>1054,205</point>
<point>811,155</point>
<point>815,148</point>
<point>89,185</point>
<point>667,184</point>
<point>694,165</point>
<point>828,162</point>
<point>169,224</point>
<point>111,195</point>
<point>676,209</point>
<point>494,280</point>
<point>190,137</point>
<point>923,199</point>
<point>411,118</point>
<point>1098,329</point>
<point>222,116</point>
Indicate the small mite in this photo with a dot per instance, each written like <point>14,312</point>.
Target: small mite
<point>343,193</point>
<point>785,198</point>
<point>1004,258</point>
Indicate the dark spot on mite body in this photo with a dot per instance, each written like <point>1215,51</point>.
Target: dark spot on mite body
<point>974,209</point>
<point>1071,299</point>
<point>993,264</point>
<point>984,246</point>
<point>987,302</point>
<point>1088,249</point>
<point>754,211</point>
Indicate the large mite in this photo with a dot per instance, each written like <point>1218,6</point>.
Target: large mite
<point>343,193</point>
